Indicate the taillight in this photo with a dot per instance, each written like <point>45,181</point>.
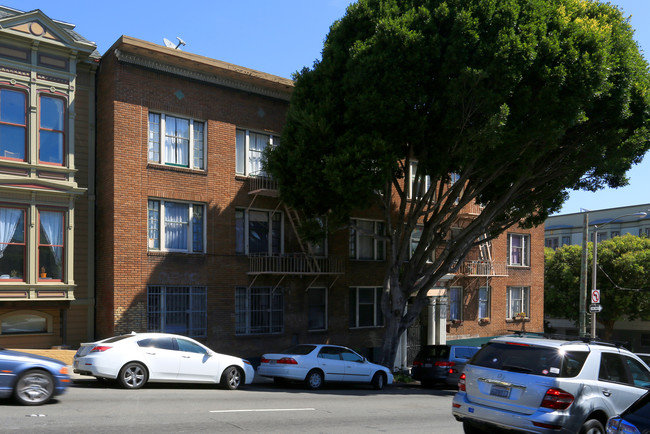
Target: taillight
<point>417,363</point>
<point>287,361</point>
<point>557,399</point>
<point>461,382</point>
<point>445,364</point>
<point>100,349</point>
<point>264,360</point>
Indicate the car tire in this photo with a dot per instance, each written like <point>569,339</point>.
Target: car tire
<point>469,428</point>
<point>378,381</point>
<point>231,378</point>
<point>34,387</point>
<point>133,375</point>
<point>314,379</point>
<point>592,426</point>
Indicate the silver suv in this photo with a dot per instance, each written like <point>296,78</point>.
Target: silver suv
<point>541,385</point>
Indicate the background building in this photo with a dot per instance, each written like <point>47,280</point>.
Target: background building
<point>567,229</point>
<point>47,131</point>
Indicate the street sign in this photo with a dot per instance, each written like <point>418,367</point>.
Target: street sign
<point>595,296</point>
<point>595,307</point>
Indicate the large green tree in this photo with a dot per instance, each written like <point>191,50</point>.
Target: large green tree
<point>522,99</point>
<point>623,277</point>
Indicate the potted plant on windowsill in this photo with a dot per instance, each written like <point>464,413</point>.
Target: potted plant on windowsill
<point>456,321</point>
<point>519,316</point>
<point>43,272</point>
<point>485,320</point>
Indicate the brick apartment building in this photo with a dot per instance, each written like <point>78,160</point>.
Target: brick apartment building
<point>47,107</point>
<point>192,238</point>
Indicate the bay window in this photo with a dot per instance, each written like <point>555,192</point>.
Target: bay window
<point>51,130</point>
<point>176,141</point>
<point>51,244</point>
<point>13,124</point>
<point>12,243</point>
<point>176,226</point>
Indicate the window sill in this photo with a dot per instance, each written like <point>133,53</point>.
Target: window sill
<point>166,253</point>
<point>456,322</point>
<point>484,321</point>
<point>367,327</point>
<point>179,169</point>
<point>515,320</point>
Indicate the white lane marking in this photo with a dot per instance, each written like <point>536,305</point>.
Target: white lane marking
<point>262,409</point>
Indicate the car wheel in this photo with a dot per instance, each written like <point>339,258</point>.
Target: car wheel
<point>378,381</point>
<point>314,379</point>
<point>132,376</point>
<point>34,388</point>
<point>592,426</point>
<point>231,378</point>
<point>469,428</point>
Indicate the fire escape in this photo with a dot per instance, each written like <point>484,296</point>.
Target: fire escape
<point>305,262</point>
<point>484,266</point>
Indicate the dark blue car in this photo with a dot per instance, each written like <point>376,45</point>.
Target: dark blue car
<point>31,379</point>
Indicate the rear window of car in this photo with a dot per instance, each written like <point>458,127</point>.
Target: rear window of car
<point>465,352</point>
<point>116,338</point>
<point>530,359</point>
<point>435,351</point>
<point>300,350</point>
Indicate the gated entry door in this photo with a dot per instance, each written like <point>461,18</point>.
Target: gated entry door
<point>413,341</point>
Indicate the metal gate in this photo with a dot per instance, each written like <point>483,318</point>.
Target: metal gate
<point>413,341</point>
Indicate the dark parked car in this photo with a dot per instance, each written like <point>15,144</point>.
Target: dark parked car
<point>441,364</point>
<point>31,379</point>
<point>635,419</point>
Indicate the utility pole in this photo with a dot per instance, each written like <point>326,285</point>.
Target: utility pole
<point>583,276</point>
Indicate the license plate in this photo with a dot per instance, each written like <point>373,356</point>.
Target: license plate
<point>428,365</point>
<point>500,391</point>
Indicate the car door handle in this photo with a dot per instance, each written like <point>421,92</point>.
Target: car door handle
<point>607,393</point>
<point>151,354</point>
<point>186,357</point>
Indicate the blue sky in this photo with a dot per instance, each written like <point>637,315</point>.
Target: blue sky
<point>278,37</point>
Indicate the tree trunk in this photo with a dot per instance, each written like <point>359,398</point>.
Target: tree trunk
<point>391,341</point>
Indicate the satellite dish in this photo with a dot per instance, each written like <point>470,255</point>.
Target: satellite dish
<point>170,44</point>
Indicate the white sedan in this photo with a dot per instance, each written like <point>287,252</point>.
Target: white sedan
<point>136,359</point>
<point>315,364</point>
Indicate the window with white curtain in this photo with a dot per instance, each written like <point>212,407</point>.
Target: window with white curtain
<point>484,302</point>
<point>455,303</point>
<point>518,301</point>
<point>176,141</point>
<point>176,226</point>
<point>51,244</point>
<point>519,250</point>
<point>12,244</point>
<point>249,151</point>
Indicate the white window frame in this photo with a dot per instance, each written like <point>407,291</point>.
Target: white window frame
<point>379,245</point>
<point>378,318</point>
<point>458,291</point>
<point>525,250</point>
<point>415,240</point>
<point>161,226</point>
<point>484,302</point>
<point>246,230</point>
<point>413,167</point>
<point>309,306</point>
<point>245,311</point>
<point>156,143</point>
<point>157,312</point>
<point>243,152</point>
<point>517,293</point>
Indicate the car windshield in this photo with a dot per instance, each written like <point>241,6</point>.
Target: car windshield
<point>530,359</point>
<point>300,350</point>
<point>435,351</point>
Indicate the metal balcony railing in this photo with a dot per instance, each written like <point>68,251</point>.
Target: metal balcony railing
<point>262,184</point>
<point>297,264</point>
<point>472,209</point>
<point>484,268</point>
